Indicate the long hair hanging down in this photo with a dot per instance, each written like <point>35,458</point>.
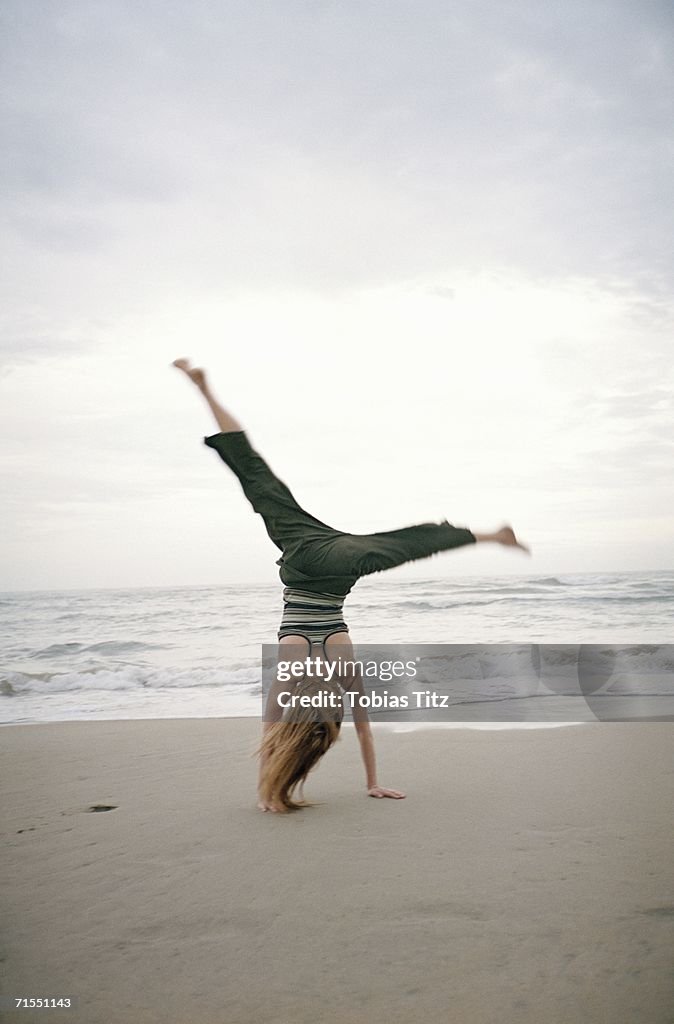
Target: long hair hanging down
<point>289,750</point>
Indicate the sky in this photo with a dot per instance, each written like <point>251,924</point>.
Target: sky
<point>424,251</point>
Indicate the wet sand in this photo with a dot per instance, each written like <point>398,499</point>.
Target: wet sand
<point>527,877</point>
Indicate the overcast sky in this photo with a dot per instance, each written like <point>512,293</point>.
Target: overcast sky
<point>424,249</point>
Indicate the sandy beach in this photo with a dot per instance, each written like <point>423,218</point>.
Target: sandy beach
<point>528,877</point>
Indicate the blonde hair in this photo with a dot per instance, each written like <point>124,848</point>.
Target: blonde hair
<point>289,750</point>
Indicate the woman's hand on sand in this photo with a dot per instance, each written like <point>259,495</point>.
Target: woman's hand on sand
<point>379,792</point>
<point>262,806</point>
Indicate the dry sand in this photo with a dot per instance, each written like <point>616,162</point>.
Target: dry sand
<point>528,877</point>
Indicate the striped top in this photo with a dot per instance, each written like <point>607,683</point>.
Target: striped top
<point>314,616</point>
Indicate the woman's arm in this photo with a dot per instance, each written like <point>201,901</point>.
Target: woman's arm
<point>272,714</point>
<point>361,722</point>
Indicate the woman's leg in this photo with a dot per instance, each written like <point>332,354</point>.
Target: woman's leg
<point>285,520</point>
<point>369,553</point>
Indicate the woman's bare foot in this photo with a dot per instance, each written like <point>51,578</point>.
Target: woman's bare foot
<point>196,375</point>
<point>506,536</point>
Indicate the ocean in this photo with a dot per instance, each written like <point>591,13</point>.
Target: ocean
<point>183,652</point>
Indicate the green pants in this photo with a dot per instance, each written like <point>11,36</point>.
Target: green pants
<point>315,556</point>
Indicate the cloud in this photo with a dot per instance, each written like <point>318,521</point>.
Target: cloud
<point>27,337</point>
<point>349,142</point>
<point>638,405</point>
<point>447,213</point>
